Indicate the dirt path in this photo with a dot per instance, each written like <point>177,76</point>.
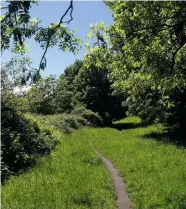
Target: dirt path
<point>123,201</point>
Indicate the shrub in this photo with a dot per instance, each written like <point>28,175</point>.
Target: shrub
<point>16,102</point>
<point>67,122</point>
<point>22,141</point>
<point>78,118</point>
<point>26,137</point>
<point>92,118</point>
<point>177,114</point>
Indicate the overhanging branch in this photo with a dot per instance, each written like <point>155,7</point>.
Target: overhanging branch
<point>70,8</point>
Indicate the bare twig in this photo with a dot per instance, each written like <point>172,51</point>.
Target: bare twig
<point>32,69</point>
<point>70,8</point>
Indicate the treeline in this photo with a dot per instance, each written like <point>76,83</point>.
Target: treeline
<point>139,59</point>
<point>79,86</point>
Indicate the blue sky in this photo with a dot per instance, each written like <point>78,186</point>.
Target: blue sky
<point>84,13</point>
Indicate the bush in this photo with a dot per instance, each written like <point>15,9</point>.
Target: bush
<point>66,122</point>
<point>177,114</point>
<point>26,137</point>
<point>92,118</point>
<point>22,141</point>
<point>19,103</point>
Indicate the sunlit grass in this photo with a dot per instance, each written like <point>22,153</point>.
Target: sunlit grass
<point>71,177</point>
<point>155,172</point>
<point>74,177</point>
<point>133,120</point>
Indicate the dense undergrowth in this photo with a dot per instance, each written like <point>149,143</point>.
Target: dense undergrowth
<point>25,137</point>
<point>21,142</point>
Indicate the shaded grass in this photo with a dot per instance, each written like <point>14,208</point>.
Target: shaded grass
<point>127,123</point>
<point>71,177</point>
<point>176,138</point>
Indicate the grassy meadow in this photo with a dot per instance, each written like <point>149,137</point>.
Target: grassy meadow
<point>154,171</point>
<point>74,177</point>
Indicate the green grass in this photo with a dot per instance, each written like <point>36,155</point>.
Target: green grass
<point>155,172</point>
<point>128,120</point>
<point>74,177</point>
<point>71,177</point>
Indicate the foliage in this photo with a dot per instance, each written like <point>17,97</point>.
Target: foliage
<point>24,138</point>
<point>41,96</point>
<point>93,90</point>
<point>148,41</point>
<point>66,123</point>
<point>13,73</point>
<point>20,103</point>
<point>50,95</point>
<point>22,141</point>
<point>177,115</point>
<point>17,26</point>
<point>92,119</point>
<point>77,86</point>
<point>71,72</point>
<point>65,90</point>
<point>62,96</point>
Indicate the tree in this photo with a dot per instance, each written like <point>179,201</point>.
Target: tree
<point>93,90</point>
<point>71,72</point>
<point>62,96</point>
<point>148,41</point>
<point>11,80</point>
<point>65,89</point>
<point>17,26</point>
<point>41,96</point>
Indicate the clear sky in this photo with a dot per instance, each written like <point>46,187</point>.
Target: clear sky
<point>84,13</point>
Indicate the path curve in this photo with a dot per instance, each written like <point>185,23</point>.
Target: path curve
<point>123,201</point>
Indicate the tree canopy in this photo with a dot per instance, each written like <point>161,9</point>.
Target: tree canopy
<point>148,42</point>
<point>17,27</point>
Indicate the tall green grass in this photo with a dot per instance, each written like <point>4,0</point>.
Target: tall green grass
<point>71,177</point>
<point>155,171</point>
<point>74,177</point>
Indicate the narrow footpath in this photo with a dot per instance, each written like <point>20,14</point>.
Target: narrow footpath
<point>123,201</point>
